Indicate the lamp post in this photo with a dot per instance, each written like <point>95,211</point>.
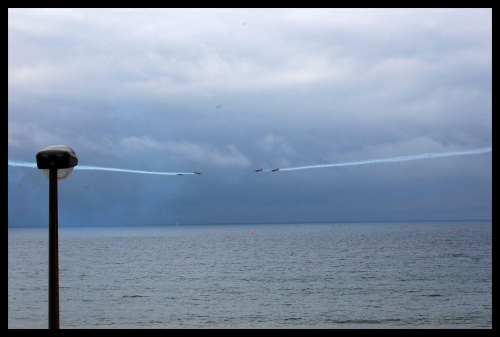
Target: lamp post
<point>57,162</point>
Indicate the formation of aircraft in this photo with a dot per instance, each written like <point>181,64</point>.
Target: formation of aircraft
<point>256,170</point>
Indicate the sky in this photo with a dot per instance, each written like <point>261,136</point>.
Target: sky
<point>228,91</point>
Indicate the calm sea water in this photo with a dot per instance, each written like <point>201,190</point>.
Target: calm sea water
<point>355,275</point>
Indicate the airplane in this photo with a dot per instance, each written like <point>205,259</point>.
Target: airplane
<point>276,169</point>
<point>196,172</point>
<point>258,170</point>
<point>179,174</point>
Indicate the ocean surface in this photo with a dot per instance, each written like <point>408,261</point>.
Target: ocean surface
<point>397,275</point>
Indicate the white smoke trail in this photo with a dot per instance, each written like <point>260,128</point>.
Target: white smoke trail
<point>96,168</point>
<point>21,163</point>
<point>391,160</point>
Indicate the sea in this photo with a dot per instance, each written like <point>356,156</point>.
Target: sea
<point>367,275</point>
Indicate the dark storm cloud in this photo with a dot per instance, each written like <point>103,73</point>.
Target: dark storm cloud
<point>225,91</point>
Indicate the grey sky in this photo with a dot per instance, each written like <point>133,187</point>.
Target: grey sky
<point>226,91</point>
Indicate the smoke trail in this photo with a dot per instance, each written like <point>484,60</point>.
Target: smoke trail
<point>96,168</point>
<point>21,163</point>
<point>391,160</point>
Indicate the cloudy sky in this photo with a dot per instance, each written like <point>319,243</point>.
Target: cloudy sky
<point>227,91</point>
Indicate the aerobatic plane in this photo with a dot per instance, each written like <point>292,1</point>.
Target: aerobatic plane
<point>276,169</point>
<point>258,170</point>
<point>196,172</point>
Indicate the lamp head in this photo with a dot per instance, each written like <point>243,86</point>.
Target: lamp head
<point>59,157</point>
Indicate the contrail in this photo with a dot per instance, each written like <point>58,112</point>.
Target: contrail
<point>97,168</point>
<point>389,160</point>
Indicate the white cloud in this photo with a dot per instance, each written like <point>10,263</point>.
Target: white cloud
<point>144,143</point>
<point>30,136</point>
<point>207,154</point>
<point>275,144</point>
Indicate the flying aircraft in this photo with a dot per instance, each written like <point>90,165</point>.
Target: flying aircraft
<point>258,170</point>
<point>276,169</point>
<point>196,172</point>
<point>179,174</point>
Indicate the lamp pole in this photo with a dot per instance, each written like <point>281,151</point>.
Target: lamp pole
<point>53,252</point>
<point>57,162</point>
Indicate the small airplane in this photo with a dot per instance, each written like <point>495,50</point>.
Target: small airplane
<point>196,172</point>
<point>276,169</point>
<point>179,174</point>
<point>258,170</point>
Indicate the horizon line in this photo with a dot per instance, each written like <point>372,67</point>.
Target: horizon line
<point>253,223</point>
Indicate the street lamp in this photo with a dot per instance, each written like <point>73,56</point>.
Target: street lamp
<point>57,162</point>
